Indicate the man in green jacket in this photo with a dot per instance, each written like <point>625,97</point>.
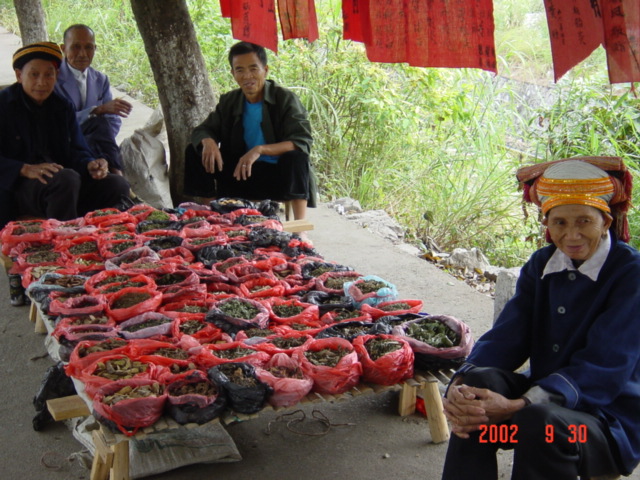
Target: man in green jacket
<point>256,143</point>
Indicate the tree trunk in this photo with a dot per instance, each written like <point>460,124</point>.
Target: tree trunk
<point>186,96</point>
<point>32,22</point>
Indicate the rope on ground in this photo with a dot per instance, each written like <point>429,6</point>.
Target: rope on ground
<point>53,461</point>
<point>316,415</point>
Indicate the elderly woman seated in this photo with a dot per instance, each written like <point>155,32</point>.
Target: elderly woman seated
<point>575,318</point>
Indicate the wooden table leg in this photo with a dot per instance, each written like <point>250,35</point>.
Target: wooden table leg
<point>407,401</point>
<point>102,458</point>
<point>120,468</point>
<point>435,413</point>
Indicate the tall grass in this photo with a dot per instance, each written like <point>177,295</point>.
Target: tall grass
<point>436,148</point>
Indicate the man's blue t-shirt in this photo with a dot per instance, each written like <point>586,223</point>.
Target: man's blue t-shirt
<point>253,136</point>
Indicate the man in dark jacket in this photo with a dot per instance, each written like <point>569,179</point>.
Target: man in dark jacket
<point>256,143</point>
<point>46,168</point>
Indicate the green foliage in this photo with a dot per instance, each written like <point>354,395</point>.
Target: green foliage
<point>436,148</point>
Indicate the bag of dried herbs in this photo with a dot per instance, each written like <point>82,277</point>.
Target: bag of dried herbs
<point>50,282</point>
<point>111,281</point>
<point>163,242</point>
<point>182,277</point>
<point>70,228</point>
<point>312,270</point>
<point>245,392</point>
<point>284,343</point>
<point>177,294</point>
<point>214,354</point>
<point>178,252</point>
<point>213,254</point>
<point>393,307</point>
<point>79,245</point>
<point>386,323</point>
<point>285,376</point>
<point>87,352</point>
<point>333,282</point>
<point>108,216</point>
<point>438,341</point>
<point>32,274</point>
<point>146,325</point>
<point>20,231</point>
<point>193,309</point>
<point>109,368</point>
<point>120,261</point>
<point>129,405</point>
<point>285,311</point>
<point>370,290</point>
<point>386,359</point>
<point>262,287</point>
<point>115,248</point>
<point>88,264</point>
<point>332,363</point>
<point>230,204</point>
<point>236,313</point>
<point>341,315</point>
<point>70,335</point>
<point>196,242</point>
<point>158,227</point>
<point>132,301</point>
<point>193,398</point>
<point>347,330</point>
<point>170,359</point>
<point>220,290</point>
<point>73,304</point>
<point>327,301</point>
<point>203,332</point>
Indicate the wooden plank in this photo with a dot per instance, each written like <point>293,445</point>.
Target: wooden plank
<point>295,226</point>
<point>120,466</point>
<point>6,261</point>
<point>435,414</point>
<point>67,407</point>
<point>102,458</point>
<point>407,400</point>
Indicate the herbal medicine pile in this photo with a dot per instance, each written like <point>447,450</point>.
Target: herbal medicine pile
<point>194,311</point>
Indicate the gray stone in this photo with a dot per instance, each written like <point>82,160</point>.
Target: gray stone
<point>505,288</point>
<point>380,223</point>
<point>346,205</point>
<point>472,259</point>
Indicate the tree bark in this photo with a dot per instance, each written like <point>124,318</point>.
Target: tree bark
<point>179,70</point>
<point>31,20</point>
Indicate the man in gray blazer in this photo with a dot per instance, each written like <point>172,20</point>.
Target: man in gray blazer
<point>98,113</point>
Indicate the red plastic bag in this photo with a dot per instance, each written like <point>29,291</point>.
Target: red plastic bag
<point>131,414</point>
<point>213,354</point>
<point>286,343</point>
<point>333,282</point>
<point>200,330</point>
<point>393,307</point>
<point>106,217</point>
<point>87,352</point>
<point>88,304</point>
<point>287,390</point>
<point>93,376</point>
<point>262,287</point>
<point>389,369</point>
<point>326,379</point>
<point>159,325</point>
<point>110,281</point>
<point>308,312</point>
<point>24,231</point>
<point>186,309</point>
<point>146,299</point>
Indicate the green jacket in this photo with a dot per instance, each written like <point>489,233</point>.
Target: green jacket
<point>283,118</point>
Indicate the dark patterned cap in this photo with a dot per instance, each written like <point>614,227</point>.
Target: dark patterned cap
<point>42,50</point>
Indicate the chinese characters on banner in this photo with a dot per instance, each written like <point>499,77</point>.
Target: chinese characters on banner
<point>255,21</point>
<point>621,20</point>
<point>578,27</point>
<point>424,33</point>
<point>298,19</point>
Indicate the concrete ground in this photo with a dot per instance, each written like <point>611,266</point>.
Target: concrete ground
<point>368,438</point>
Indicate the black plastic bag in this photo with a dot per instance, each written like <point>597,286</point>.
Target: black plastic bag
<point>315,269</point>
<point>164,243</point>
<point>346,330</point>
<point>385,324</point>
<point>194,408</point>
<point>268,207</point>
<point>216,253</point>
<point>55,384</point>
<point>327,301</point>
<point>229,204</point>
<point>149,225</point>
<point>247,398</point>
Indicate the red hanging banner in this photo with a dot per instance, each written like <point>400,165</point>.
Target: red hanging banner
<point>298,19</point>
<point>225,8</point>
<point>450,33</point>
<point>255,21</point>
<point>576,30</point>
<point>384,31</point>
<point>621,19</point>
<point>352,20</point>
